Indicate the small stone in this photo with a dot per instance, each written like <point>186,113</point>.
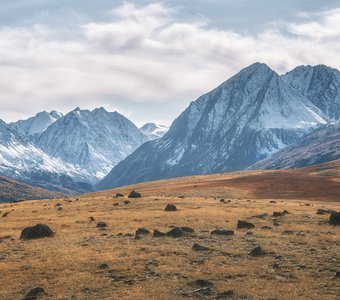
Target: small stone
<point>244,224</point>
<point>272,201</point>
<point>187,229</point>
<point>261,216</point>
<point>103,266</point>
<point>222,232</point>
<point>34,293</point>
<point>337,274</point>
<point>101,225</point>
<point>334,219</point>
<point>222,201</point>
<point>256,252</point>
<point>278,214</point>
<point>5,214</point>
<point>202,283</point>
<point>157,233</point>
<point>115,204</point>
<point>175,232</point>
<point>91,219</point>
<point>170,207</point>
<point>198,247</point>
<point>225,294</point>
<point>126,202</point>
<point>134,194</point>
<point>142,231</point>
<point>266,227</point>
<point>119,195</point>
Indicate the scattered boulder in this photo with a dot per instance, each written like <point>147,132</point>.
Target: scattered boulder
<point>334,219</point>
<point>175,232</point>
<point>170,207</point>
<point>36,232</point>
<point>103,266</point>
<point>119,195</point>
<point>187,229</point>
<point>157,233</point>
<point>92,219</point>
<point>278,214</point>
<point>256,252</point>
<point>222,232</point>
<point>101,225</point>
<point>115,204</point>
<point>244,224</point>
<point>135,194</point>
<point>266,227</point>
<point>261,216</point>
<point>58,204</point>
<point>126,202</point>
<point>142,231</point>
<point>35,293</point>
<point>337,274</point>
<point>222,201</point>
<point>60,208</point>
<point>272,201</point>
<point>324,211</point>
<point>198,247</point>
<point>5,214</point>
<point>179,231</point>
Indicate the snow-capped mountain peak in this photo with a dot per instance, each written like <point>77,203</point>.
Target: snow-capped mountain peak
<point>37,124</point>
<point>153,131</point>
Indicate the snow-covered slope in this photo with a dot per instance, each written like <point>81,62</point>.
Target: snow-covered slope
<point>320,85</point>
<point>253,114</point>
<point>321,146</point>
<point>92,140</point>
<point>37,124</point>
<point>153,131</point>
<point>20,159</point>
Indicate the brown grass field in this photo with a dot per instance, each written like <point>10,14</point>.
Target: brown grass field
<point>302,253</point>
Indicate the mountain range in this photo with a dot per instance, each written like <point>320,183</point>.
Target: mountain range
<point>246,119</point>
<point>255,119</point>
<point>67,153</point>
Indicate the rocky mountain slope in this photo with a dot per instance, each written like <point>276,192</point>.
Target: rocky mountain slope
<point>320,85</point>
<point>318,147</point>
<point>93,140</point>
<point>22,160</point>
<point>250,116</point>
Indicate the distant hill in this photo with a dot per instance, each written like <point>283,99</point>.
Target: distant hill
<point>13,191</point>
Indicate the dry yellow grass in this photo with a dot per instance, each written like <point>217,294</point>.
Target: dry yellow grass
<point>66,266</point>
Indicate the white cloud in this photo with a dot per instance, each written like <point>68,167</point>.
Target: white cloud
<point>145,56</point>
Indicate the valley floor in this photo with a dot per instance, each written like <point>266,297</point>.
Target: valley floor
<point>301,254</point>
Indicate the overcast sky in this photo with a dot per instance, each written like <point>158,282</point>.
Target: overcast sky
<point>149,59</point>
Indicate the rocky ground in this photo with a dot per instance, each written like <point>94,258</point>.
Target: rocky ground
<point>95,252</point>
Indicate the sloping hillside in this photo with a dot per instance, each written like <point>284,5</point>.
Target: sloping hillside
<point>13,191</point>
<point>321,182</point>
